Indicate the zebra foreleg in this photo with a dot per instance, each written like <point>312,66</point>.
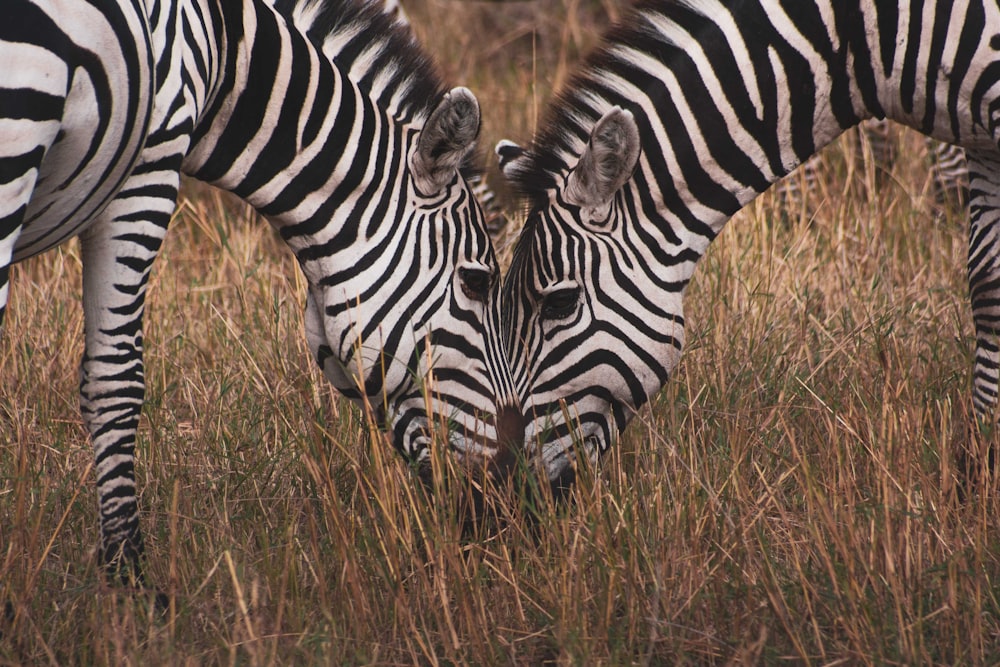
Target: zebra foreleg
<point>11,219</point>
<point>949,178</point>
<point>118,252</point>
<point>984,292</point>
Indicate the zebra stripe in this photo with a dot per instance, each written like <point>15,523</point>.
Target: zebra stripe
<point>493,213</point>
<point>949,173</point>
<point>352,43</point>
<point>54,77</point>
<point>689,111</point>
<point>355,162</point>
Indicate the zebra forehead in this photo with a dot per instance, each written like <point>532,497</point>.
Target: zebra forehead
<point>542,241</point>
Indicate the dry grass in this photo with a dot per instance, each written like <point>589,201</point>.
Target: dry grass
<point>788,498</point>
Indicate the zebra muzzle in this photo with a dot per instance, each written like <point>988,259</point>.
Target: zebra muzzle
<point>510,427</point>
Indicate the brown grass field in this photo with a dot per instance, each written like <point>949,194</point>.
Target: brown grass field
<point>790,497</point>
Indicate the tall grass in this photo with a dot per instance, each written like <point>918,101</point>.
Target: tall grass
<point>789,497</point>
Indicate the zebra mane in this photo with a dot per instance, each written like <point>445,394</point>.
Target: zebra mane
<point>380,53</point>
<point>569,118</point>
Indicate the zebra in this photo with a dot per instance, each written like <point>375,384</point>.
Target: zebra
<point>354,161</point>
<point>688,111</point>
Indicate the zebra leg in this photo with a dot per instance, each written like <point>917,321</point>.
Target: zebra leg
<point>118,252</point>
<point>875,137</point>
<point>10,229</point>
<point>949,180</point>
<point>984,292</point>
<point>793,189</point>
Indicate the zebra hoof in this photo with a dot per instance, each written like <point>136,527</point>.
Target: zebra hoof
<point>161,603</point>
<point>125,573</point>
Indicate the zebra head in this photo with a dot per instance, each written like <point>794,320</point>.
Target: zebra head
<point>402,312</point>
<point>593,327</point>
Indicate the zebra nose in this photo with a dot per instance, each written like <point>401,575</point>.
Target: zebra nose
<point>510,425</point>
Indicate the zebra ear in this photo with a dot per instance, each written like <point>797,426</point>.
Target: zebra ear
<point>508,154</point>
<point>607,163</point>
<point>447,136</point>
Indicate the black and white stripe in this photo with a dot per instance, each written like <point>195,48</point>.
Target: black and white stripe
<point>949,173</point>
<point>689,111</point>
<point>355,162</point>
<point>493,213</point>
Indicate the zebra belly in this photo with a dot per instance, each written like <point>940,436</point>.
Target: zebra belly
<point>92,135</point>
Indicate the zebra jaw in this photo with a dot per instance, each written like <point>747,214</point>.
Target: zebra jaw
<point>493,446</point>
<point>402,409</point>
<point>561,456</point>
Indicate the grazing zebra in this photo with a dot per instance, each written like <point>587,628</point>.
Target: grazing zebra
<point>689,110</point>
<point>355,162</point>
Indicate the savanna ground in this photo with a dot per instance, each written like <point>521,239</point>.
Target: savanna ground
<point>789,497</point>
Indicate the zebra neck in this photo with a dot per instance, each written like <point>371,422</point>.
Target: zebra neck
<point>735,99</point>
<point>289,132</point>
<point>730,96</point>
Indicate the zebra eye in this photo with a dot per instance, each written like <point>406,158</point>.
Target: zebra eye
<point>476,283</point>
<point>561,303</point>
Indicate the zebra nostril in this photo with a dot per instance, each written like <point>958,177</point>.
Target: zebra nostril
<point>510,427</point>
<point>378,415</point>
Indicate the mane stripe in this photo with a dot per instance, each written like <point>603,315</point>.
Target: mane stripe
<point>537,172</point>
<point>350,31</point>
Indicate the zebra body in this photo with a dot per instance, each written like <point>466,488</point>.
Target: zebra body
<point>687,112</point>
<point>354,161</point>
<point>52,85</point>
